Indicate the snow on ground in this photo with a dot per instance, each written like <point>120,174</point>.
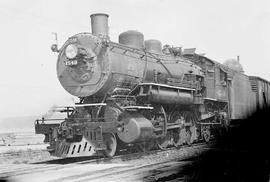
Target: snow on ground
<point>10,149</point>
<point>20,138</point>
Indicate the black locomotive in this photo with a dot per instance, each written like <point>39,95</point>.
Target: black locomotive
<point>136,94</point>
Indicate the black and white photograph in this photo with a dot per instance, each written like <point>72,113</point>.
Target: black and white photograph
<point>134,90</point>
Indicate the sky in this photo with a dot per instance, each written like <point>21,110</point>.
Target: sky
<point>28,81</point>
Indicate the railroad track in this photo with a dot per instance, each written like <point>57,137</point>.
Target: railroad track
<point>123,157</point>
<point>8,171</point>
<point>114,172</point>
<point>128,172</point>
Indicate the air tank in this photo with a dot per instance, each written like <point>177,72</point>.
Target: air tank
<point>132,38</point>
<point>154,46</point>
<point>99,24</point>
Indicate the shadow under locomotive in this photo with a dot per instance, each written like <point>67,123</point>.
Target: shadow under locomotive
<point>241,155</point>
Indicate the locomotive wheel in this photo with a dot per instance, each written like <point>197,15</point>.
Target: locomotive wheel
<point>146,146</point>
<point>193,134</point>
<point>185,137</point>
<point>176,138</point>
<point>163,142</point>
<point>111,144</point>
<point>188,137</point>
<point>158,115</point>
<point>161,116</point>
<point>176,117</point>
<point>187,131</point>
<point>182,137</point>
<point>206,134</point>
<point>190,120</point>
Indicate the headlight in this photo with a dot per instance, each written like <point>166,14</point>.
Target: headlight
<point>71,51</point>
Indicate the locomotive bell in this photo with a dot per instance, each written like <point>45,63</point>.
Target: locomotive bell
<point>99,24</point>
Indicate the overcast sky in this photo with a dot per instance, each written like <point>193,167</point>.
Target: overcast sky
<point>221,29</point>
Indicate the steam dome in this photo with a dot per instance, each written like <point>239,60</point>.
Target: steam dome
<point>132,38</point>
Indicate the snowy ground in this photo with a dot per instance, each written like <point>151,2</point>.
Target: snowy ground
<point>9,149</point>
<point>22,147</point>
<point>20,138</point>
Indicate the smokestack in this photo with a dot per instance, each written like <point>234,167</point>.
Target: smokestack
<point>99,24</point>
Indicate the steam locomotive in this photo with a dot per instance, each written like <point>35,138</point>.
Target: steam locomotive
<point>136,94</point>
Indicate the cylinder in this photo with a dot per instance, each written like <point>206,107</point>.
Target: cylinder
<point>154,46</point>
<point>136,129</point>
<point>99,24</point>
<point>132,38</point>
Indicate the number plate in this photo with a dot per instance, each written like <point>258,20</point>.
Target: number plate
<point>71,62</point>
